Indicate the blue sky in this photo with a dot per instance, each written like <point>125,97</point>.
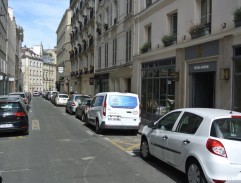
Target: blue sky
<point>39,19</point>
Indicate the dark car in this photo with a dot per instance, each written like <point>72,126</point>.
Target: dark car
<point>82,109</point>
<point>13,116</point>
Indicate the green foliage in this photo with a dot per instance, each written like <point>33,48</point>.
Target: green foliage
<point>168,38</point>
<point>195,28</point>
<point>237,14</point>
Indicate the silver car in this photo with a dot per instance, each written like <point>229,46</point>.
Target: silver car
<point>203,143</point>
<point>73,102</point>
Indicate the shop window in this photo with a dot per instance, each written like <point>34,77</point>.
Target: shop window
<point>158,87</point>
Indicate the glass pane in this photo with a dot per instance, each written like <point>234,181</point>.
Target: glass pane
<point>237,96</point>
<point>144,95</point>
<point>149,95</point>
<point>238,66</point>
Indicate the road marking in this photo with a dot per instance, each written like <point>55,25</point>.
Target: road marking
<point>35,125</point>
<point>20,170</point>
<point>124,145</point>
<point>90,132</point>
<point>88,158</point>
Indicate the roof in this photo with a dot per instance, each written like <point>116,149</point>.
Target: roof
<point>210,112</point>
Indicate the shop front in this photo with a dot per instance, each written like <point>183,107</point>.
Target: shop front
<point>158,86</point>
<point>202,79</point>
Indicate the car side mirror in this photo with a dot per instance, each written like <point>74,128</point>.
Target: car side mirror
<point>151,125</point>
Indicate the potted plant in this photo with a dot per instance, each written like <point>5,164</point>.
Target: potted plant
<point>237,17</point>
<point>169,40</point>
<point>198,30</point>
<point>146,47</point>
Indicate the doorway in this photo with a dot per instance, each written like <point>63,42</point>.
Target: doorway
<point>203,89</point>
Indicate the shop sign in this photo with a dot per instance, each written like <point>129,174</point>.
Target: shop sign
<point>60,69</point>
<point>202,67</point>
<point>11,79</point>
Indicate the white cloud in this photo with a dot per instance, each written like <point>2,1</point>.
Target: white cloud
<point>39,19</point>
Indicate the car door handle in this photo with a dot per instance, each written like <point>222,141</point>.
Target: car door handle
<point>165,137</point>
<point>186,141</point>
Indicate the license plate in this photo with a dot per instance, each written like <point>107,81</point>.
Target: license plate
<point>6,126</point>
<point>114,119</point>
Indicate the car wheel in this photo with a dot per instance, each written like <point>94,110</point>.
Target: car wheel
<point>83,117</point>
<point>194,173</point>
<point>70,111</point>
<point>97,127</point>
<point>144,149</point>
<point>26,132</point>
<point>76,115</point>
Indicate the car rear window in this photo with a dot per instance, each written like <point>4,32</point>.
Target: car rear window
<point>121,101</point>
<point>227,128</point>
<point>80,98</point>
<point>9,106</point>
<point>63,96</point>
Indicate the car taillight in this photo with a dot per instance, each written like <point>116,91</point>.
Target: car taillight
<point>20,114</point>
<point>219,181</point>
<point>216,147</point>
<point>73,104</point>
<point>104,108</point>
<point>235,117</point>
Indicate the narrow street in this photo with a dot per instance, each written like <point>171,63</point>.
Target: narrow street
<point>61,149</point>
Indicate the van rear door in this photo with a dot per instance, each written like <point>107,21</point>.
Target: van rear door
<point>123,110</point>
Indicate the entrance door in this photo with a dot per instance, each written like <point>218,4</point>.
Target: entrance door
<point>203,89</point>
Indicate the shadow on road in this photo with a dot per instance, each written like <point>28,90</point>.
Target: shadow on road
<point>164,168</point>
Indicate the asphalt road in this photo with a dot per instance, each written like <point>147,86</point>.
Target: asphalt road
<point>61,149</point>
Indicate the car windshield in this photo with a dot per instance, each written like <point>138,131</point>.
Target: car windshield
<point>227,128</point>
<point>9,106</point>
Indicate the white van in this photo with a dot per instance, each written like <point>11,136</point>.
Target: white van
<point>114,110</point>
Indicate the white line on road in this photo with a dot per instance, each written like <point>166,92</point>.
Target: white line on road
<point>35,125</point>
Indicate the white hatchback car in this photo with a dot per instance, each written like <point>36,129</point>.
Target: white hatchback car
<point>61,99</point>
<point>203,143</point>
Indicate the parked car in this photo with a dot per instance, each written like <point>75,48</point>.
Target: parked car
<point>17,97</point>
<point>50,94</point>
<point>82,109</point>
<point>61,99</point>
<point>36,94</point>
<point>13,116</point>
<point>52,99</point>
<point>114,110</point>
<point>203,143</point>
<point>73,102</point>
<point>23,95</point>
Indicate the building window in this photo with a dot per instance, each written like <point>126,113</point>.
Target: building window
<point>148,3</point>
<point>206,11</point>
<point>128,45</point>
<point>148,33</point>
<point>128,6</point>
<point>174,24</point>
<point>99,58</point>
<point>106,54</point>
<point>158,86</point>
<point>114,51</point>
